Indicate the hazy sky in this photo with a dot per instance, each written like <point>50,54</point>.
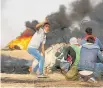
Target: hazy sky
<point>16,12</point>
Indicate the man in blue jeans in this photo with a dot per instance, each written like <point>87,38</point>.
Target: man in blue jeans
<point>38,40</point>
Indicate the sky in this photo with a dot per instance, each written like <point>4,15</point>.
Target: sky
<point>14,13</point>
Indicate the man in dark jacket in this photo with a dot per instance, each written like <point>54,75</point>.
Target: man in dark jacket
<point>90,53</point>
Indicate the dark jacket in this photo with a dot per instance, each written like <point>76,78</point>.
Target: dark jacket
<point>88,56</point>
<point>73,51</point>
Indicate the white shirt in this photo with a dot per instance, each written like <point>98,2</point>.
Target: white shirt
<point>38,38</point>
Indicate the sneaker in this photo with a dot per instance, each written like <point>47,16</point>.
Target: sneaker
<point>42,76</point>
<point>92,80</point>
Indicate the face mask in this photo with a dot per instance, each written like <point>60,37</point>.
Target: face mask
<point>45,31</point>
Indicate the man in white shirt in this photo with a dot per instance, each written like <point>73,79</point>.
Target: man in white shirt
<point>38,40</point>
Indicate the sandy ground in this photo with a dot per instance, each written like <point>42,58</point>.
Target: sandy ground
<point>54,80</point>
<point>28,80</point>
<point>17,54</point>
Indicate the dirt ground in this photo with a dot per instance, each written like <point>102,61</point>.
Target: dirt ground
<point>54,80</point>
<point>28,80</point>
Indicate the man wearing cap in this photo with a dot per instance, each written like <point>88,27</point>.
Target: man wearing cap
<point>90,53</point>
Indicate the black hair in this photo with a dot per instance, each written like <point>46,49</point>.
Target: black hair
<point>46,24</point>
<point>90,39</point>
<point>88,31</point>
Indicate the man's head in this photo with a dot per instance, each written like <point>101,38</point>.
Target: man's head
<point>46,27</point>
<point>73,40</point>
<point>90,39</point>
<point>88,31</point>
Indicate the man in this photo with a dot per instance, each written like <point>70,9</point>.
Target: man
<point>38,40</point>
<point>71,54</point>
<point>90,53</point>
<point>74,52</point>
<point>74,47</point>
<point>97,41</point>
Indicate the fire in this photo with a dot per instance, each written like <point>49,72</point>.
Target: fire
<point>22,41</point>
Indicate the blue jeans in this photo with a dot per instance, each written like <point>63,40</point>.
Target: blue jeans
<point>35,53</point>
<point>65,66</point>
<point>98,70</point>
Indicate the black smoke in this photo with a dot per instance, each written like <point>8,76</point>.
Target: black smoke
<point>32,24</point>
<point>61,19</point>
<point>96,22</point>
<point>81,8</point>
<point>60,22</point>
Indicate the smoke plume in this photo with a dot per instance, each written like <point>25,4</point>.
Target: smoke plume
<point>62,21</point>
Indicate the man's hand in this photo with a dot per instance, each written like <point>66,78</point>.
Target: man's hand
<point>41,23</point>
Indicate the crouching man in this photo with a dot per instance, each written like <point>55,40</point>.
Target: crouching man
<point>74,52</point>
<point>90,53</point>
<point>71,56</point>
<point>38,40</point>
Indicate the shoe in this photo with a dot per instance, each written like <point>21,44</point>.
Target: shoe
<point>92,80</point>
<point>42,76</point>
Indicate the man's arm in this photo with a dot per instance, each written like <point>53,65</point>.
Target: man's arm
<point>43,49</point>
<point>100,56</point>
<point>41,23</point>
<point>100,44</point>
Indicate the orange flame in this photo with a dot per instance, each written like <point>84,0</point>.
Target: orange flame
<point>22,41</point>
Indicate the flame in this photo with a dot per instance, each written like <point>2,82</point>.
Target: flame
<point>21,43</point>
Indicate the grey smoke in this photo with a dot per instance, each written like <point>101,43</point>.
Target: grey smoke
<point>80,9</point>
<point>31,25</point>
<point>96,21</point>
<point>97,14</point>
<point>59,19</point>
